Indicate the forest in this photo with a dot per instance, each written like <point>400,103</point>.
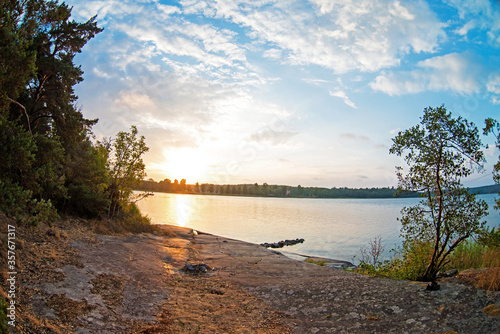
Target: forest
<point>266,190</point>
<point>51,162</point>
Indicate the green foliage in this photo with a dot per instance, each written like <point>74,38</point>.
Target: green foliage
<point>439,152</point>
<point>408,263</point>
<point>48,159</point>
<point>492,126</point>
<point>490,238</point>
<point>17,57</point>
<point>133,221</point>
<point>20,176</point>
<point>319,262</point>
<point>87,181</point>
<point>467,255</point>
<point>130,220</point>
<point>126,168</point>
<point>265,190</point>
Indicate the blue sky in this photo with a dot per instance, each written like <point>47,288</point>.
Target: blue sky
<point>286,92</point>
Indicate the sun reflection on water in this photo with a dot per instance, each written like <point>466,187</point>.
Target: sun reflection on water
<point>183,210</point>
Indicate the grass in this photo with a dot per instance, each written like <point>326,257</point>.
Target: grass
<point>473,255</point>
<point>319,263</point>
<point>130,221</point>
<point>411,263</point>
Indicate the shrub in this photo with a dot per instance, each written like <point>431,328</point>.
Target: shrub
<point>490,238</point>
<point>130,220</point>
<point>409,262</point>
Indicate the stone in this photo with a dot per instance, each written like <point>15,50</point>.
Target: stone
<point>433,286</point>
<point>196,268</point>
<point>282,243</point>
<point>448,273</point>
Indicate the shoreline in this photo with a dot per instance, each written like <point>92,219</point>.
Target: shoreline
<point>87,282</point>
<point>324,261</point>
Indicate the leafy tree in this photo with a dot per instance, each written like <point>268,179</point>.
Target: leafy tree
<point>440,151</point>
<point>126,168</point>
<point>54,160</point>
<point>492,237</point>
<point>492,126</point>
<point>182,185</point>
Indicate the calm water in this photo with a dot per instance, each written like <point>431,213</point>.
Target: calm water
<point>335,228</point>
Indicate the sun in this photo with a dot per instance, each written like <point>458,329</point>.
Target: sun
<point>186,164</point>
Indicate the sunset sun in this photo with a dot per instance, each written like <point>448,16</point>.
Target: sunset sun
<point>186,164</point>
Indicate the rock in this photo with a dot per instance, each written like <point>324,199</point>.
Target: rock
<point>448,273</point>
<point>433,286</point>
<point>196,268</point>
<point>282,243</point>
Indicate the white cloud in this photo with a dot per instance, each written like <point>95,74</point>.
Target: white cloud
<point>454,72</point>
<point>134,100</point>
<point>272,137</point>
<point>343,36</point>
<point>275,54</point>
<point>341,94</point>
<point>478,14</point>
<point>493,87</point>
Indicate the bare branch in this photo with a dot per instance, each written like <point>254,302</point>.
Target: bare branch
<point>25,112</point>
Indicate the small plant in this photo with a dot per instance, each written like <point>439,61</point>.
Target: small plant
<point>319,262</point>
<point>371,256</point>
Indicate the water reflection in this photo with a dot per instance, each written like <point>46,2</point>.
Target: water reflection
<point>183,210</point>
<point>335,228</point>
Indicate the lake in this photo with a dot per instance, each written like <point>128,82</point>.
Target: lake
<point>334,228</point>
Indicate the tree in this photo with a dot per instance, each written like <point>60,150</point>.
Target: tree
<point>126,168</point>
<point>440,152</point>
<point>182,185</point>
<point>37,111</point>
<point>492,126</point>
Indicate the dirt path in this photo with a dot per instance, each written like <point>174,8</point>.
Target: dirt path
<point>134,284</point>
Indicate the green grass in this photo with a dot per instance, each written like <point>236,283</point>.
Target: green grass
<point>410,264</point>
<point>319,263</point>
<point>130,221</point>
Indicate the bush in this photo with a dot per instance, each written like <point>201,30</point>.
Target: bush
<point>490,238</point>
<point>410,263</point>
<point>130,220</point>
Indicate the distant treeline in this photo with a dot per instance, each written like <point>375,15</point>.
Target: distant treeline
<point>266,190</point>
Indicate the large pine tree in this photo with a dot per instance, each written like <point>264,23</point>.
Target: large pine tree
<point>48,158</point>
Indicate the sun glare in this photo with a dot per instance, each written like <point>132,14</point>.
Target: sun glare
<point>183,210</point>
<point>185,164</point>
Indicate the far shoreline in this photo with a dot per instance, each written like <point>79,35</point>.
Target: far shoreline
<point>482,190</point>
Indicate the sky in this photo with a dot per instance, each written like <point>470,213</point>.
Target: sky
<point>307,92</point>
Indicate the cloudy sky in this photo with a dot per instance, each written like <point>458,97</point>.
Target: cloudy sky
<point>290,92</point>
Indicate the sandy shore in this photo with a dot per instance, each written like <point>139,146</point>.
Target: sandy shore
<point>80,282</point>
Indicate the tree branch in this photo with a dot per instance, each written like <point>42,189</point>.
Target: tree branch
<point>25,112</point>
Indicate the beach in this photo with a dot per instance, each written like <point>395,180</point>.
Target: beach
<point>74,280</point>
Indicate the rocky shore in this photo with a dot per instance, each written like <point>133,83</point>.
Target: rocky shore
<point>81,282</point>
<point>282,243</point>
